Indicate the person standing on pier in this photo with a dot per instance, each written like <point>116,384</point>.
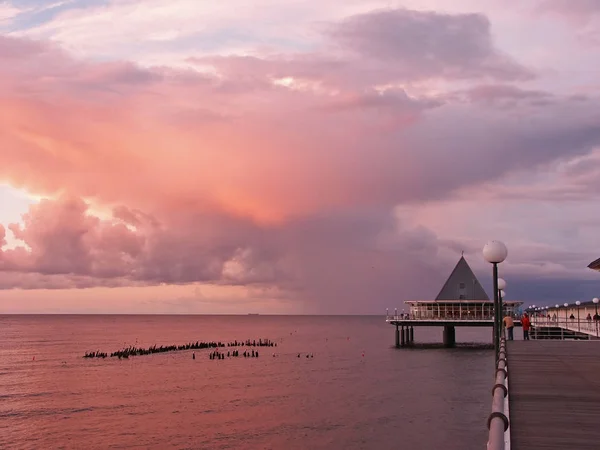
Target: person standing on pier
<point>526,324</point>
<point>509,324</point>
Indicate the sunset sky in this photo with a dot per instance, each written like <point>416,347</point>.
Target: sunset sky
<point>195,156</point>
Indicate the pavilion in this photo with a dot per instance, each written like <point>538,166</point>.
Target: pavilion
<point>462,298</point>
<point>462,301</point>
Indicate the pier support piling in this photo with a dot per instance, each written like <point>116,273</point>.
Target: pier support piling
<point>449,336</point>
<point>397,337</point>
<point>412,335</point>
<point>402,340</point>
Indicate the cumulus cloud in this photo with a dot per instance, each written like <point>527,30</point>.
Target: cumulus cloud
<point>428,44</point>
<point>508,95</point>
<point>319,259</point>
<point>274,170</point>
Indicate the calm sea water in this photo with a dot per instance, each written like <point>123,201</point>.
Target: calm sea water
<point>387,399</point>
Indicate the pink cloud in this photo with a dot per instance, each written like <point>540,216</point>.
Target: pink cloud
<point>432,44</point>
<point>508,95</point>
<point>2,236</point>
<point>276,170</point>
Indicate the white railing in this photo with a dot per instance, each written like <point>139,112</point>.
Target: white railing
<point>585,326</point>
<point>498,421</point>
<point>417,318</point>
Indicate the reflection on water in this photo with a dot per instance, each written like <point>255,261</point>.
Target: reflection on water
<point>419,398</point>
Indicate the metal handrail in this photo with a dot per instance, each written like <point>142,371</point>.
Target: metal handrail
<point>478,318</point>
<point>583,326</point>
<point>498,422</point>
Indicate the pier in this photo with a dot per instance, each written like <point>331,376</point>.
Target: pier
<point>462,301</point>
<point>553,396</point>
<point>567,321</point>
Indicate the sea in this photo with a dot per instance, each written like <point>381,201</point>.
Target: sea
<point>356,391</point>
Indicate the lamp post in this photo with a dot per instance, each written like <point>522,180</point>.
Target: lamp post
<point>578,321</point>
<point>557,306</point>
<point>566,315</point>
<point>595,300</point>
<point>495,252</point>
<point>501,285</point>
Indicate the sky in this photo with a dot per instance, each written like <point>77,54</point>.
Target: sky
<point>297,157</point>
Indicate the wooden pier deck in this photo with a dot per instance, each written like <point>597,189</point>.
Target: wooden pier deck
<point>554,394</point>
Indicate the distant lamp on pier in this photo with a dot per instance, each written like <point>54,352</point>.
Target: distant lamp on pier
<point>501,284</point>
<point>578,303</point>
<point>496,252</point>
<point>595,300</point>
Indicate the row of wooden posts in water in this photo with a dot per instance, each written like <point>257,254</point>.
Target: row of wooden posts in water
<point>235,353</point>
<point>135,351</point>
<point>247,354</point>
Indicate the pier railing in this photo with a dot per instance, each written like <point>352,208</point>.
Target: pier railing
<point>498,421</point>
<point>555,326</point>
<point>423,318</point>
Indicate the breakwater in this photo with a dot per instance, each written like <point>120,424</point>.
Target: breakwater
<point>198,345</point>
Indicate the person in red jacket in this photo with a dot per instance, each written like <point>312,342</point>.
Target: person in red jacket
<point>526,324</point>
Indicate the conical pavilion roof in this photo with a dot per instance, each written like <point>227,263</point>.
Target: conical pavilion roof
<point>462,284</point>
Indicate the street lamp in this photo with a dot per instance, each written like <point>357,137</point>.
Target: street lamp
<point>501,287</point>
<point>578,303</point>
<point>566,315</point>
<point>595,300</point>
<point>495,252</point>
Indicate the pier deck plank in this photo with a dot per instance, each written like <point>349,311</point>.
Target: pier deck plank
<point>554,389</point>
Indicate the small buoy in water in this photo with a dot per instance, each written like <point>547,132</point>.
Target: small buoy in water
<point>33,358</point>
<point>193,355</point>
<point>363,355</point>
